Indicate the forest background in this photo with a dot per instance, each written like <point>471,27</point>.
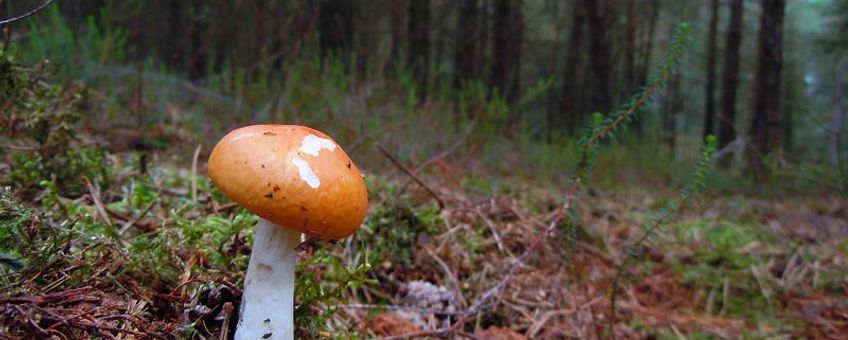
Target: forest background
<point>487,110</point>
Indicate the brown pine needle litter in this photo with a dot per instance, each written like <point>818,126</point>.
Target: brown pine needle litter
<point>532,281</point>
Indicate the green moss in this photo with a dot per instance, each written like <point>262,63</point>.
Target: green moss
<point>391,231</point>
<point>719,254</point>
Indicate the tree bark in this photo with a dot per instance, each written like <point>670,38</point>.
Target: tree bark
<point>765,125</point>
<point>630,49</point>
<point>484,38</point>
<point>646,53</point>
<point>709,100</point>
<point>730,78</point>
<point>367,36</point>
<point>504,77</point>
<point>465,57</point>
<point>396,21</point>
<point>837,118</point>
<point>601,18</point>
<point>418,30</point>
<point>648,47</point>
<point>335,24</point>
<point>516,42</point>
<point>673,107</point>
<point>568,116</point>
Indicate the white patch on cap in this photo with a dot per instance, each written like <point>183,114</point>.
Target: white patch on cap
<point>313,144</point>
<point>306,173</point>
<point>245,135</point>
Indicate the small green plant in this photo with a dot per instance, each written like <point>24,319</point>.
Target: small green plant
<point>45,116</point>
<point>218,238</point>
<point>321,285</point>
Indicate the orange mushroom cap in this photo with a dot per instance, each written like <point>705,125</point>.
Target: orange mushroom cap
<point>291,175</point>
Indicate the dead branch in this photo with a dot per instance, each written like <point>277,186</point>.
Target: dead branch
<point>479,303</point>
<point>27,14</point>
<point>412,175</point>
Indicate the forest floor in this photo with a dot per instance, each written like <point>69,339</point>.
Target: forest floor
<point>138,258</point>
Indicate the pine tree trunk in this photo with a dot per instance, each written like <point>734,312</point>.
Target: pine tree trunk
<point>484,38</point>
<point>730,78</point>
<point>601,19</point>
<point>837,118</point>
<point>630,49</point>
<point>365,42</point>
<point>418,55</point>
<point>396,21</point>
<point>674,107</point>
<point>504,77</point>
<point>648,47</point>
<point>709,100</point>
<point>465,57</point>
<point>335,24</point>
<point>516,46</point>
<point>646,53</point>
<point>500,48</point>
<point>304,26</point>
<point>765,125</point>
<point>568,116</point>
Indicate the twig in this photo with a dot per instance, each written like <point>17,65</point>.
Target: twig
<point>20,147</point>
<point>454,282</point>
<point>27,14</point>
<point>146,226</point>
<point>600,254</point>
<point>495,234</point>
<point>400,165</point>
<point>226,314</point>
<point>215,209</point>
<point>132,221</point>
<point>517,262</point>
<point>194,176</point>
<point>398,308</point>
<point>95,196</point>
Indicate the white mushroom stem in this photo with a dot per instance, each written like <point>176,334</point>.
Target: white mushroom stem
<point>267,305</point>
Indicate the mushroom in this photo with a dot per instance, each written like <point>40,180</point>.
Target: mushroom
<point>297,180</point>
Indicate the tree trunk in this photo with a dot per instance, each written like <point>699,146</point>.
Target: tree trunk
<point>396,21</point>
<point>630,50</point>
<point>418,54</point>
<point>335,24</point>
<point>365,43</point>
<point>516,43</point>
<point>568,116</point>
<point>837,118</point>
<point>648,46</point>
<point>504,78</point>
<point>765,125</point>
<point>730,78</point>
<point>601,19</point>
<point>466,50</point>
<point>484,38</point>
<point>646,53</point>
<point>709,100</point>
<point>673,106</point>
<point>304,26</point>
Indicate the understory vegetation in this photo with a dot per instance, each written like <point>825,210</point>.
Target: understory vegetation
<point>110,228</point>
